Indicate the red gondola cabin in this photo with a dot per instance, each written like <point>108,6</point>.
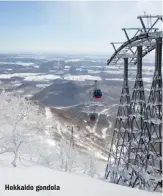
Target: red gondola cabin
<point>97,93</point>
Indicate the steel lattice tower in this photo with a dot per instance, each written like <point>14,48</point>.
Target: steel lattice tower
<point>148,157</point>
<point>135,156</point>
<point>154,113</point>
<point>118,156</point>
<point>138,150</point>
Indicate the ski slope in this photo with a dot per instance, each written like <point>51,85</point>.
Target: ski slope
<point>70,184</point>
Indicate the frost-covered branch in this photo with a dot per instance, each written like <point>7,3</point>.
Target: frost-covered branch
<point>20,122</point>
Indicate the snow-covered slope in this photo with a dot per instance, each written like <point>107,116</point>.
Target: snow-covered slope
<point>70,184</point>
<point>63,94</point>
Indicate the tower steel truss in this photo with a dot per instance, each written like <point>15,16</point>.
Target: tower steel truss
<point>118,156</point>
<point>138,148</point>
<point>135,155</point>
<point>154,114</point>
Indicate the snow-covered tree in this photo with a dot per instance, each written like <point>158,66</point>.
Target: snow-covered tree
<point>68,156</point>
<point>90,159</point>
<point>89,162</point>
<point>20,121</point>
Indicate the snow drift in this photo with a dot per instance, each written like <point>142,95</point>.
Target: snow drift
<point>69,183</point>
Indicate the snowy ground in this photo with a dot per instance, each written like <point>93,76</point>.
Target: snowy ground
<point>70,184</point>
<point>47,77</point>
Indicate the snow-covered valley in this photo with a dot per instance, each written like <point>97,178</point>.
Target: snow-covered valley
<point>46,137</point>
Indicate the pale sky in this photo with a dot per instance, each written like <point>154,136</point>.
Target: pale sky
<point>69,27</point>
